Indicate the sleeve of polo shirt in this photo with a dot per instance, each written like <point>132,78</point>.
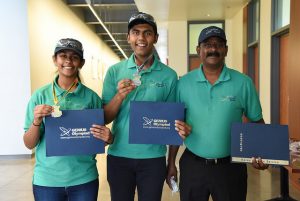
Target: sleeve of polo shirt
<point>253,109</point>
<point>97,101</point>
<point>29,111</point>
<point>172,93</point>
<point>178,92</point>
<point>109,86</point>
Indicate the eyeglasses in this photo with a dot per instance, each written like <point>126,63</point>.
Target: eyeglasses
<point>213,45</point>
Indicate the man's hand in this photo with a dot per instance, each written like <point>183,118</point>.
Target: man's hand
<point>183,129</point>
<point>125,86</point>
<point>257,163</point>
<point>172,172</point>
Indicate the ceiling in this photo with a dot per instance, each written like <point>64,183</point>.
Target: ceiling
<point>109,17</point>
<point>173,10</point>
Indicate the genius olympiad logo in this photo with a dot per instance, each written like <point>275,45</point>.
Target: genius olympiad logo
<point>151,123</point>
<point>64,131</point>
<point>73,133</point>
<point>147,121</point>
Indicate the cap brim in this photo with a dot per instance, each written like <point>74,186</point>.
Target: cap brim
<point>204,39</point>
<point>58,49</point>
<point>140,21</point>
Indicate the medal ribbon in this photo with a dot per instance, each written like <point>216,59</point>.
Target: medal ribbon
<point>55,99</point>
<point>140,68</point>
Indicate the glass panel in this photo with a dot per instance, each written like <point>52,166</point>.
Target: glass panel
<point>286,13</point>
<point>194,31</point>
<point>253,22</point>
<point>281,13</point>
<point>256,20</point>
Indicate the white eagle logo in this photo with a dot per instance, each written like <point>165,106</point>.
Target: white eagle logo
<point>65,131</point>
<point>147,121</point>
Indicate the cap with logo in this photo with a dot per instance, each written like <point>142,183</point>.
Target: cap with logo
<point>69,44</point>
<point>141,18</point>
<point>211,31</point>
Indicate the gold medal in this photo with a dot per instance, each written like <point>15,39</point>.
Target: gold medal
<point>56,111</point>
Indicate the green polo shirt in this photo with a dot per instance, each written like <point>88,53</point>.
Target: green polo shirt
<point>158,84</point>
<point>60,171</point>
<point>211,109</point>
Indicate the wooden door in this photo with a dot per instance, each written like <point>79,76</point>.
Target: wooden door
<point>283,80</point>
<point>194,62</point>
<point>256,68</point>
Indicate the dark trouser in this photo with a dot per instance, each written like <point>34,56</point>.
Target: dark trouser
<point>86,192</point>
<point>199,179</point>
<point>126,174</point>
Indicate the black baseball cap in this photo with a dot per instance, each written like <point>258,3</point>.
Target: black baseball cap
<point>142,18</point>
<point>211,31</point>
<point>69,44</point>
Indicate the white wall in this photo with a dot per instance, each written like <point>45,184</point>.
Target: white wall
<point>15,76</point>
<point>265,59</point>
<point>177,46</point>
<point>234,34</point>
<point>162,43</point>
<point>51,20</point>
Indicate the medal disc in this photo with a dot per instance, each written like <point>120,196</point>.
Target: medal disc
<point>56,112</point>
<point>136,79</point>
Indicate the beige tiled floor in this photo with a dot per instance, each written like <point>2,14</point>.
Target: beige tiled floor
<point>15,182</point>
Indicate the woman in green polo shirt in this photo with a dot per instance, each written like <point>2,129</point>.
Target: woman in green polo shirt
<point>59,178</point>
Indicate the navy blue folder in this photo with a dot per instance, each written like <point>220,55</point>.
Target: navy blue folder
<point>268,141</point>
<point>153,122</point>
<point>70,133</point>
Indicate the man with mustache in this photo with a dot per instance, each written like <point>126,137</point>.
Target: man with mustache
<point>214,96</point>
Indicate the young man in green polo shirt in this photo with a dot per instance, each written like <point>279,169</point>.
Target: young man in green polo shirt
<point>141,78</point>
<point>214,97</point>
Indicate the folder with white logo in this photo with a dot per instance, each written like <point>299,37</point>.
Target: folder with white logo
<point>153,122</point>
<point>268,141</point>
<point>70,134</point>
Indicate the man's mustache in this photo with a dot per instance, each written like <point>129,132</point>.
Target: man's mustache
<point>217,54</point>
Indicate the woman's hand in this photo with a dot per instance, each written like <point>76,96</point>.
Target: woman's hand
<point>102,133</point>
<point>40,111</point>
